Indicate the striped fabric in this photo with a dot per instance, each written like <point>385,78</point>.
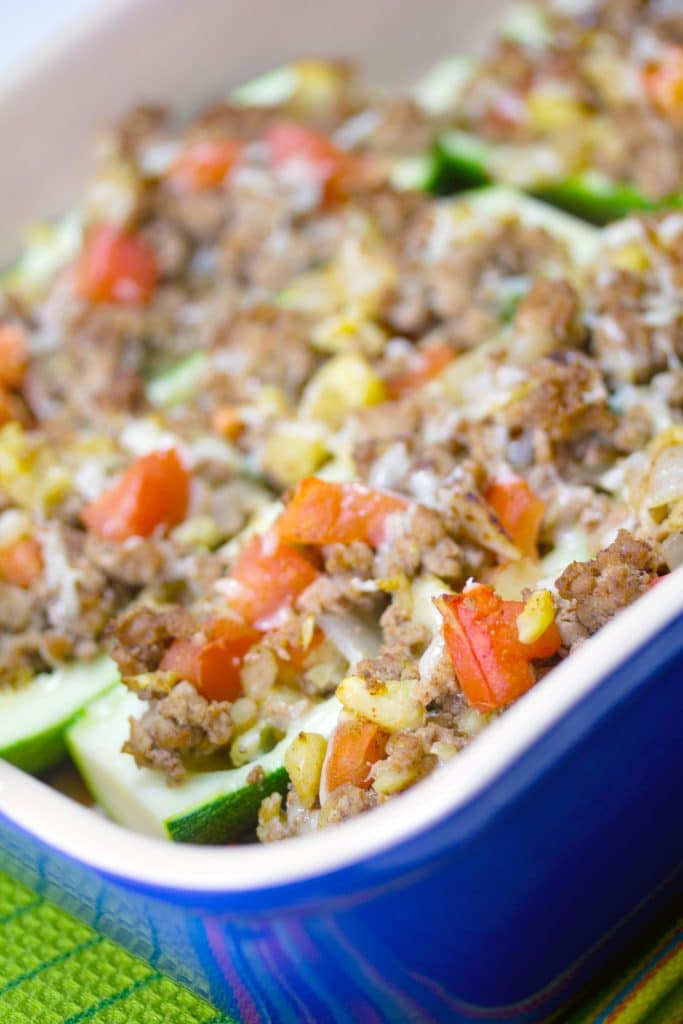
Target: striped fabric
<point>54,970</point>
<point>649,992</point>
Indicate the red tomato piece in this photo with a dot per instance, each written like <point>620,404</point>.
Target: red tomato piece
<point>116,266</point>
<point>212,666</point>
<point>267,577</point>
<point>204,164</point>
<point>332,168</point>
<point>323,512</point>
<point>153,493</point>
<point>353,748</point>
<point>21,563</point>
<point>519,511</point>
<point>424,365</point>
<point>492,665</point>
<point>663,83</point>
<point>13,355</point>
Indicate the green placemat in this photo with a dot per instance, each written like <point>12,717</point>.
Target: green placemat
<point>55,970</point>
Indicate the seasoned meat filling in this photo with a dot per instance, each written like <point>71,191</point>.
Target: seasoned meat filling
<point>291,445</point>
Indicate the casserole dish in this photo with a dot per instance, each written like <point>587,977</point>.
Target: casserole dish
<point>487,856</point>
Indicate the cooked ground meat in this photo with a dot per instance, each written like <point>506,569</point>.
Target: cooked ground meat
<point>618,575</point>
<point>391,663</point>
<point>340,326</point>
<point>142,634</point>
<point>419,539</point>
<point>407,756</point>
<point>567,399</point>
<point>440,684</point>
<point>346,802</point>
<point>295,820</point>
<point>179,729</point>
<point>399,628</point>
<point>264,346</point>
<point>549,315</point>
<point>593,61</point>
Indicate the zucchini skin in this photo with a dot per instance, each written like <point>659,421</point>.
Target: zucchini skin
<point>454,173</point>
<point>228,817</point>
<point>38,753</point>
<point>598,204</point>
<point>36,745</point>
<point>601,206</point>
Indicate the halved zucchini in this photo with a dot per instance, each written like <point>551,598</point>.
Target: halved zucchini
<point>465,161</point>
<point>497,202</point>
<point>179,383</point>
<point>34,717</point>
<point>209,807</point>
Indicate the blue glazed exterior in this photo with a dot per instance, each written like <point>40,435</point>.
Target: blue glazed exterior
<point>501,911</point>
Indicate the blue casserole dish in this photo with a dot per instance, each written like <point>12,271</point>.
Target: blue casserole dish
<point>491,891</point>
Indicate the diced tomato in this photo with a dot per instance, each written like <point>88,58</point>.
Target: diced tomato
<point>424,365</point>
<point>492,665</point>
<point>520,512</point>
<point>13,355</point>
<point>227,421</point>
<point>323,512</point>
<point>21,563</point>
<point>353,748</point>
<point>116,266</point>
<point>213,666</point>
<point>663,83</point>
<point>204,164</point>
<point>327,165</point>
<point>267,577</point>
<point>293,657</point>
<point>153,493</point>
<point>11,407</point>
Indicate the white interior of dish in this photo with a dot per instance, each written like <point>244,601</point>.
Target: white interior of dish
<point>129,50</point>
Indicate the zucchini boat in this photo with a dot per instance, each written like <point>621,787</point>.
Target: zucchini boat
<point>33,718</point>
<point>465,161</point>
<point>499,202</point>
<point>209,807</point>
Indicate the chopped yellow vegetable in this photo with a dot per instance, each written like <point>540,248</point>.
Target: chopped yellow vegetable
<point>304,763</point>
<point>549,110</point>
<point>292,452</point>
<point>390,705</point>
<point>348,331</point>
<point>344,383</point>
<point>631,257</point>
<point>536,616</point>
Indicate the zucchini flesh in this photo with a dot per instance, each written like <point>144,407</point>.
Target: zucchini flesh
<point>33,718</point>
<point>497,202</point>
<point>465,161</point>
<point>208,807</point>
<point>415,173</point>
<point>179,383</point>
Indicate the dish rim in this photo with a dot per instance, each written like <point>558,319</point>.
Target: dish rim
<point>76,832</point>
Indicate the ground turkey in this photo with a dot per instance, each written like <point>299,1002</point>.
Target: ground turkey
<point>264,346</point>
<point>178,728</point>
<point>567,399</point>
<point>142,634</point>
<point>595,591</point>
